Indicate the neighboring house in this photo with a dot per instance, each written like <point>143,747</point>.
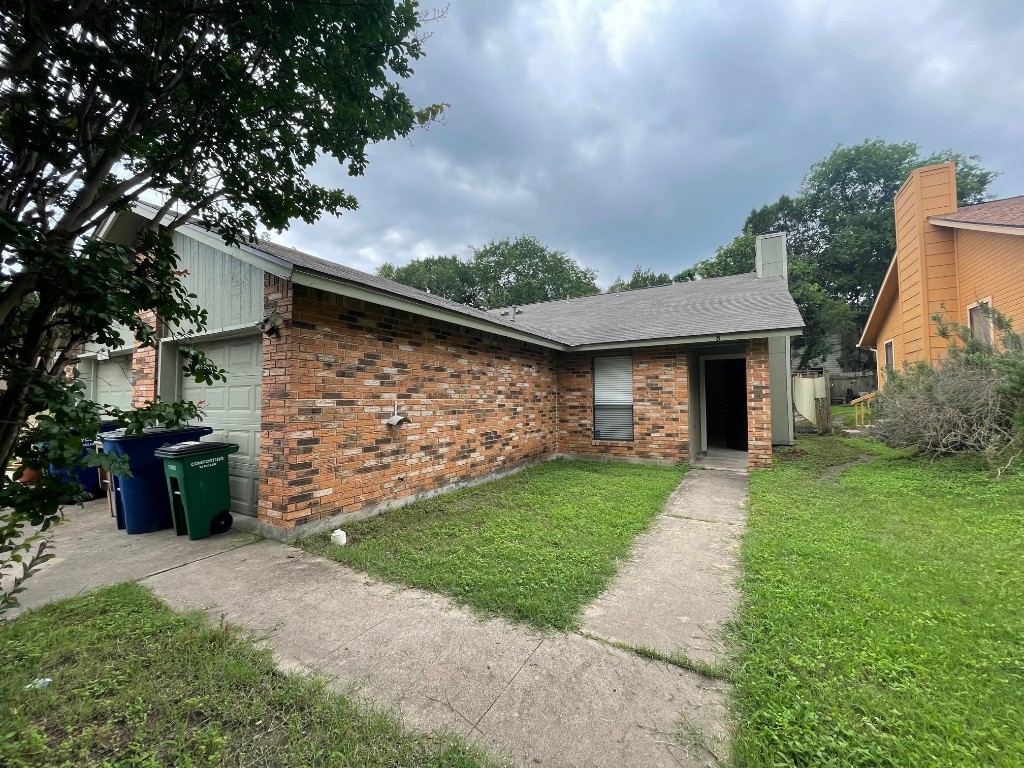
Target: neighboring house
<point>659,374</point>
<point>950,261</point>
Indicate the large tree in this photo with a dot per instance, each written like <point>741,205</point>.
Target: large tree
<point>841,233</point>
<point>214,107</point>
<point>500,274</point>
<point>447,276</point>
<point>523,271</point>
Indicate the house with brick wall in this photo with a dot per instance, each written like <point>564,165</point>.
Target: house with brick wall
<point>660,374</point>
<point>950,260</point>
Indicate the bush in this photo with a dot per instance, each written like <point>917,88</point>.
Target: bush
<point>970,402</point>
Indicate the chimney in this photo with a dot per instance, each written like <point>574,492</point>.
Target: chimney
<point>770,255</point>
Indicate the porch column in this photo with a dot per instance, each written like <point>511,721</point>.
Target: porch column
<point>144,365</point>
<point>759,406</point>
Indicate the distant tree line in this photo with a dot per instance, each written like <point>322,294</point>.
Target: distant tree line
<point>502,273</point>
<point>841,237</point>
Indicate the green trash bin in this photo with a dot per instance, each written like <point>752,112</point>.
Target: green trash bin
<point>197,484</point>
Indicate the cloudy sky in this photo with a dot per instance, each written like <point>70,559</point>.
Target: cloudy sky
<point>643,131</point>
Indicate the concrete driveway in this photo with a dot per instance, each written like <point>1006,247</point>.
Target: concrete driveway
<point>530,698</point>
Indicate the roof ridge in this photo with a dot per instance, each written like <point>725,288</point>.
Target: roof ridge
<point>616,293</point>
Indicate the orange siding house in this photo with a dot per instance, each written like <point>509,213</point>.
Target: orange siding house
<point>950,261</point>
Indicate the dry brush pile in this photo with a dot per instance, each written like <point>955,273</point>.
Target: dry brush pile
<point>972,402</point>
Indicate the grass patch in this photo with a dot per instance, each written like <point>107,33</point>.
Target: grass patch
<point>533,547</point>
<point>882,622</point>
<point>676,659</point>
<point>136,684</point>
<point>842,416</point>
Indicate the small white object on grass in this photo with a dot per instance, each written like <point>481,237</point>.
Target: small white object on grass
<point>339,538</point>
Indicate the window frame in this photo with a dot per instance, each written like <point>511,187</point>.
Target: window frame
<point>889,354</point>
<point>595,404</point>
<point>987,302</point>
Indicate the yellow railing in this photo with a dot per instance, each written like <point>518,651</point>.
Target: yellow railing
<point>861,408</point>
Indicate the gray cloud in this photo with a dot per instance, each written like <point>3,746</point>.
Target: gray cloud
<point>643,131</point>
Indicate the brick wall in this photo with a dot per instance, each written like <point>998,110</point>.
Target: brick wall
<point>478,403</point>
<point>759,413</point>
<point>144,373</point>
<point>660,407</point>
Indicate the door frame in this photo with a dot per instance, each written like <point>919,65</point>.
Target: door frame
<point>704,399</point>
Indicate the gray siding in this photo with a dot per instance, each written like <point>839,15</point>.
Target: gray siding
<point>230,290</point>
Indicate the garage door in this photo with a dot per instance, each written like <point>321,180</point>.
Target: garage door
<point>233,410</point>
<point>114,382</point>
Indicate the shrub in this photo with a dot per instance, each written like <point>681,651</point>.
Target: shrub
<point>970,402</point>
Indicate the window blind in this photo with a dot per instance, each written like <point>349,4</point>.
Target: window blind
<point>613,398</point>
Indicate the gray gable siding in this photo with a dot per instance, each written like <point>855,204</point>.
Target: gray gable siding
<point>230,290</point>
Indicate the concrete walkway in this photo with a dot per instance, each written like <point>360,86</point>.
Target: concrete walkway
<point>529,698</point>
<point>678,589</point>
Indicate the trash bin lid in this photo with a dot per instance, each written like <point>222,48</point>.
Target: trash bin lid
<point>119,434</point>
<point>190,448</point>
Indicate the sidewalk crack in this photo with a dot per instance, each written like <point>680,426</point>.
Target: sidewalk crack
<point>197,560</point>
<point>476,726</point>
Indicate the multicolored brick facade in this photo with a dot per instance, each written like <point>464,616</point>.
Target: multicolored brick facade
<point>144,366</point>
<point>660,407</point>
<point>759,410</point>
<point>478,404</point>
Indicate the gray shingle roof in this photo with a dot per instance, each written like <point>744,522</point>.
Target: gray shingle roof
<point>718,306</point>
<point>722,305</point>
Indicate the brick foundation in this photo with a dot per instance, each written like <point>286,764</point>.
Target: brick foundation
<point>759,406</point>
<point>660,407</point>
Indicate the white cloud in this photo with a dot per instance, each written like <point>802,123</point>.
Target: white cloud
<point>643,131</point>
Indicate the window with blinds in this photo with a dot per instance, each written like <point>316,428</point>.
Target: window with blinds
<point>613,398</point>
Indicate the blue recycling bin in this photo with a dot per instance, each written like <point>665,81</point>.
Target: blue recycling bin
<point>140,499</point>
<point>89,477</point>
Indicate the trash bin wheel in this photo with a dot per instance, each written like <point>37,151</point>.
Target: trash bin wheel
<point>220,523</point>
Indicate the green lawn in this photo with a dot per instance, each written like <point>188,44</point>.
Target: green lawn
<point>883,622</point>
<point>842,416</point>
<point>533,547</point>
<point>136,684</point>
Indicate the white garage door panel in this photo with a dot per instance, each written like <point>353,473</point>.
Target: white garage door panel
<point>114,381</point>
<point>233,411</point>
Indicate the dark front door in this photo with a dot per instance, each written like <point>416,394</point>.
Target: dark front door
<point>725,393</point>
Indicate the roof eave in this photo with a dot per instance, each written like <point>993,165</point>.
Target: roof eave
<point>887,293</point>
<point>1001,229</point>
<point>702,339</point>
<point>249,255</point>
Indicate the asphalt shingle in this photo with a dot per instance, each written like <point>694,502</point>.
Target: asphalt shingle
<point>997,213</point>
<point>718,306</point>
